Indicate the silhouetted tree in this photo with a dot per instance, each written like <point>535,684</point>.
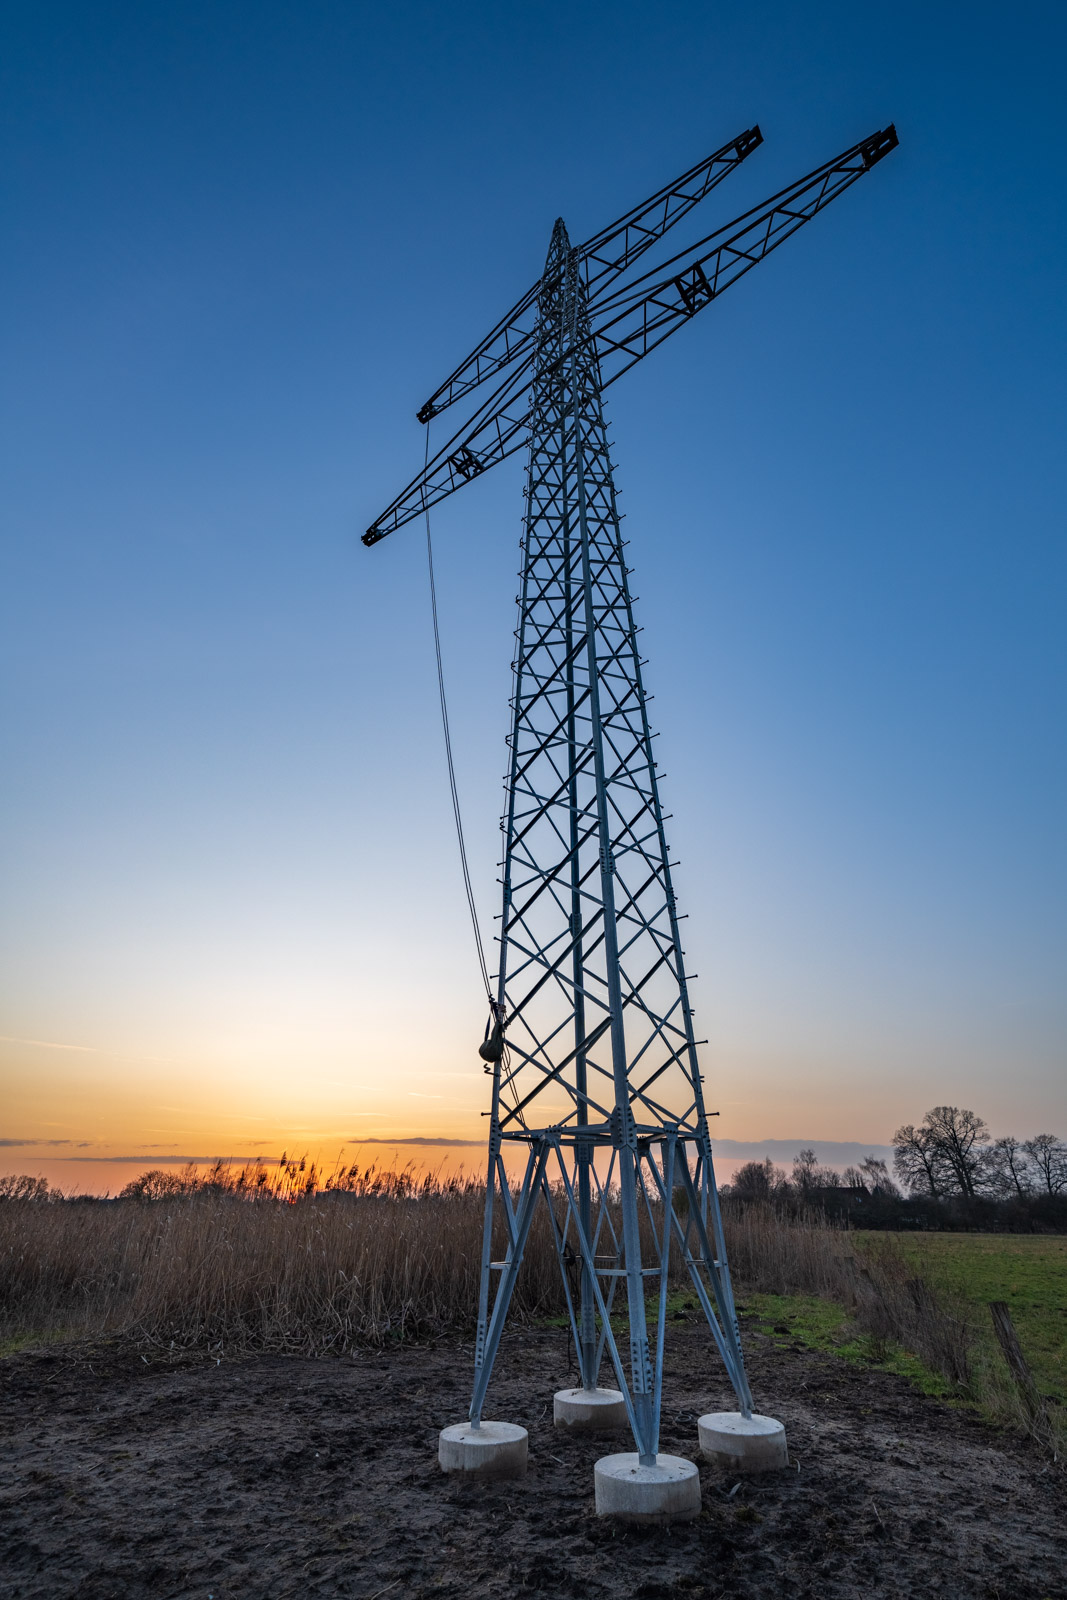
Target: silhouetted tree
<point>876,1176</point>
<point>758,1180</point>
<point>948,1154</point>
<point>917,1161</point>
<point>964,1141</point>
<point>18,1186</point>
<point>156,1185</point>
<point>809,1175</point>
<point>1049,1156</point>
<point>1010,1167</point>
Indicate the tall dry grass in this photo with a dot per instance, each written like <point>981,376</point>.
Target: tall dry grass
<point>283,1260</point>
<point>227,1265</point>
<point>274,1259</point>
<point>875,1283</point>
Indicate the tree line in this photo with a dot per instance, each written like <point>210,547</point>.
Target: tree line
<point>951,1152</point>
<point>948,1172</point>
<point>762,1180</point>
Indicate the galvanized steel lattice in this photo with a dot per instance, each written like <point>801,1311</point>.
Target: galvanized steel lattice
<point>591,1047</point>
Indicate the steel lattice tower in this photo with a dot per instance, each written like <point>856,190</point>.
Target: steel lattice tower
<point>591,1047</point>
<point>600,1056</point>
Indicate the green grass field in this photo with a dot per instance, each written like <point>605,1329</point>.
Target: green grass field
<point>821,1325</point>
<point>1029,1272</point>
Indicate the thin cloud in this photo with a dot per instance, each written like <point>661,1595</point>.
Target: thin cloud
<point>50,1044</point>
<point>160,1160</point>
<point>19,1144</point>
<point>88,1049</point>
<point>476,1144</point>
<point>151,1157</point>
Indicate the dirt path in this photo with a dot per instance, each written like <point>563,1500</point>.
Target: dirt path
<point>281,1477</point>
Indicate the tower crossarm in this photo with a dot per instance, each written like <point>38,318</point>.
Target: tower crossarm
<point>495,431</point>
<point>602,258</point>
<point>626,326</point>
<point>638,318</point>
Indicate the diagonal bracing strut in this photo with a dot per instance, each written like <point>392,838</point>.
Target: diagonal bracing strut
<point>626,326</point>
<point>593,1055</point>
<point>604,257</point>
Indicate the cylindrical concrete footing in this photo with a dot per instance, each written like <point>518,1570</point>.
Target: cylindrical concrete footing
<point>667,1492</point>
<point>495,1450</point>
<point>589,1410</point>
<point>742,1444</point>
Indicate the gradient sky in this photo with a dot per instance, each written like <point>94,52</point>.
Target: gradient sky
<point>244,243</point>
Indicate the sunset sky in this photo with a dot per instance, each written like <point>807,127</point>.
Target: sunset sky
<point>245,242</point>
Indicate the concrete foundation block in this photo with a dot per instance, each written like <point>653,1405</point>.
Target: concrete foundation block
<point>589,1410</point>
<point>495,1450</point>
<point>667,1492</point>
<point>742,1444</point>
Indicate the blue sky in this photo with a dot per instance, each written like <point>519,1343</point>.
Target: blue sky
<point>245,243</point>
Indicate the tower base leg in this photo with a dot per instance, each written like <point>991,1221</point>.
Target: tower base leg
<point>742,1444</point>
<point>589,1410</point>
<point>495,1450</point>
<point>667,1492</point>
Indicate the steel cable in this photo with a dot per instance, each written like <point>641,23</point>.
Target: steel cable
<point>468,889</point>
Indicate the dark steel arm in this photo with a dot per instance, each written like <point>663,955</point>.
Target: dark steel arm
<point>631,323</point>
<point>641,316</point>
<point>497,428</point>
<point>603,257</point>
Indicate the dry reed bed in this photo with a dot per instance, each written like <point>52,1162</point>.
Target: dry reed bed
<point>231,1264</point>
<point>207,1270</point>
<point>240,1265</point>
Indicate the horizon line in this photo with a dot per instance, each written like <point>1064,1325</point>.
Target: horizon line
<point>782,1148</point>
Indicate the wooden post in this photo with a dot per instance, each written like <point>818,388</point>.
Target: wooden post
<point>1019,1367</point>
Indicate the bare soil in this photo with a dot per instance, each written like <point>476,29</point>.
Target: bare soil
<point>285,1477</point>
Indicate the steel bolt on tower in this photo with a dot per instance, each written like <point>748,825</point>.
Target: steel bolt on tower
<point>591,1043</point>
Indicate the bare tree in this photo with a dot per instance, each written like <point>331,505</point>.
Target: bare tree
<point>808,1175</point>
<point>156,1185</point>
<point>948,1154</point>
<point>805,1167</point>
<point>758,1180</point>
<point>963,1139</point>
<point>1049,1156</point>
<point>919,1162</point>
<point>951,1153</point>
<point>876,1176</point>
<point>1010,1169</point>
<point>18,1186</point>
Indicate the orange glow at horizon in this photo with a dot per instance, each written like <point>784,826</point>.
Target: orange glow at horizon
<point>89,1119</point>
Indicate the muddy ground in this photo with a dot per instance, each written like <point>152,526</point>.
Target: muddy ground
<point>277,1477</point>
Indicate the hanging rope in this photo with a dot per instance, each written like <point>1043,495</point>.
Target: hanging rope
<point>448,754</point>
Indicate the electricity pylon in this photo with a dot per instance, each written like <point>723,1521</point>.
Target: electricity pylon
<point>591,1044</point>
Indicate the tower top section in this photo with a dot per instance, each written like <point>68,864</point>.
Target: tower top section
<point>628,316</point>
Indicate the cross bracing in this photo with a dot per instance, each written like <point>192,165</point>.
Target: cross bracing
<point>591,1045</point>
<point>625,327</point>
<point>592,995</point>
